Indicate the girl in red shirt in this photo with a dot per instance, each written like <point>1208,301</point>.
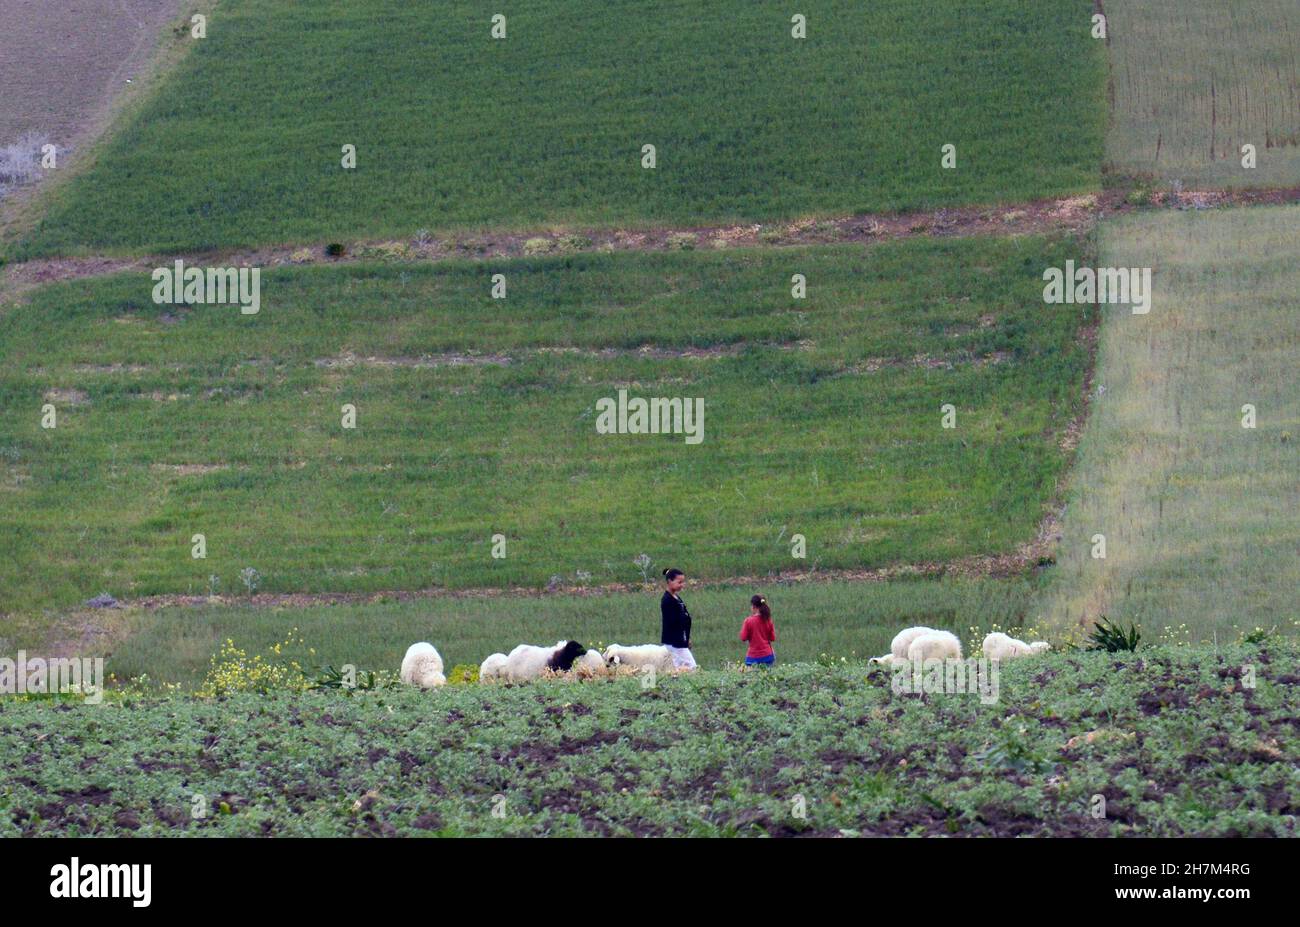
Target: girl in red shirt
<point>760,632</point>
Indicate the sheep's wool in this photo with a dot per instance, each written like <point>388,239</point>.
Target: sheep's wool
<point>936,645</point>
<point>492,669</point>
<point>422,666</point>
<point>903,640</point>
<point>999,646</point>
<point>642,655</point>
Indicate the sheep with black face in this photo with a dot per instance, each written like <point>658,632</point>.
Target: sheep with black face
<point>527,662</point>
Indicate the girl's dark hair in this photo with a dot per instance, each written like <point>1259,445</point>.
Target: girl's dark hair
<point>760,603</point>
<point>673,573</point>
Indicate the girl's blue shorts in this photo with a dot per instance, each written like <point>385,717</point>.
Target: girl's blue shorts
<point>765,661</point>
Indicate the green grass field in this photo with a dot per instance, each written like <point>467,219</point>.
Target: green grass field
<point>1193,81</point>
<point>801,749</point>
<point>1201,516</point>
<point>456,130</point>
<point>822,418</point>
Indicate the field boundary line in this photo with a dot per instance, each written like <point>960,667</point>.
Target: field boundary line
<point>996,566</point>
<point>1074,214</point>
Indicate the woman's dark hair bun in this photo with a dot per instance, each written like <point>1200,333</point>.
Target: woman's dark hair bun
<point>672,572</point>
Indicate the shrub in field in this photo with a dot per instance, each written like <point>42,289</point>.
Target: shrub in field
<point>335,249</point>
<point>20,161</point>
<point>233,670</point>
<point>682,241</point>
<point>1113,638</point>
<point>462,674</point>
<point>567,244</point>
<point>1259,635</point>
<point>331,678</point>
<point>385,251</point>
<point>538,246</point>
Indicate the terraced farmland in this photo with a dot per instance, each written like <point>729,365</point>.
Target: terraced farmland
<point>454,129</point>
<point>476,416</point>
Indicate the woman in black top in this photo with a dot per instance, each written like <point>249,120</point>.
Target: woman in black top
<point>676,634</point>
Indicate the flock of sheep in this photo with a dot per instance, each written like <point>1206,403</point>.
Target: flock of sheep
<point>921,643</point>
<point>422,665</point>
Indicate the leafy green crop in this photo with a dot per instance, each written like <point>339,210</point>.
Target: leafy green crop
<point>1176,742</point>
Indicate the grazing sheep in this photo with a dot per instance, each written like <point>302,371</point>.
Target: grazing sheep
<point>998,646</point>
<point>422,666</point>
<point>491,669</point>
<point>903,640</point>
<point>941,645</point>
<point>898,646</point>
<point>527,662</point>
<point>590,665</point>
<point>656,655</point>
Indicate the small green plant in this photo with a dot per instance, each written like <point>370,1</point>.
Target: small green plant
<point>682,241</point>
<point>462,674</point>
<point>330,678</point>
<point>1259,635</point>
<point>1113,638</point>
<point>251,579</point>
<point>335,249</point>
<point>1011,750</point>
<point>1139,197</point>
<point>566,244</point>
<point>385,251</point>
<point>535,246</point>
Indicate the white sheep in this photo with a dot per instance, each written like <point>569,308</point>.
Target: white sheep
<point>527,662</point>
<point>642,655</point>
<point>590,665</point>
<point>491,669</point>
<point>936,645</point>
<point>898,646</point>
<point>903,640</point>
<point>422,666</point>
<point>998,646</point>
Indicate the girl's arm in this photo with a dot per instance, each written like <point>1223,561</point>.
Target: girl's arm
<point>744,630</point>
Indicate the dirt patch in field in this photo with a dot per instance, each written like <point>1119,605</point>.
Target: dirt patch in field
<point>190,469</point>
<point>423,362</point>
<point>433,361</point>
<point>67,397</point>
<point>1069,214</point>
<point>62,64</point>
<point>89,633</point>
<point>926,362</point>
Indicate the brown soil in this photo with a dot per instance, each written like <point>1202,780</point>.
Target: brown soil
<point>62,64</point>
